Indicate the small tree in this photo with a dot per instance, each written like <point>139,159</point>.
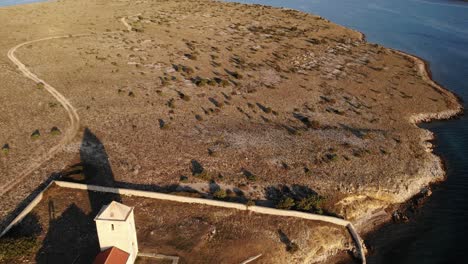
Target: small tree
<point>220,194</point>
<point>285,203</point>
<point>312,202</point>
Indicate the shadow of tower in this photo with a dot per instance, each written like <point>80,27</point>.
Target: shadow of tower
<point>97,170</point>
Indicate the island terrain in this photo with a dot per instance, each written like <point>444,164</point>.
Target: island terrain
<point>244,103</point>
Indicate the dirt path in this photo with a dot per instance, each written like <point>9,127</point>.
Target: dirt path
<point>71,111</point>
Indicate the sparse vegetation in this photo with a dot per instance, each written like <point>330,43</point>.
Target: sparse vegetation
<point>6,149</point>
<point>17,247</point>
<point>36,134</point>
<point>171,103</point>
<point>292,248</point>
<point>249,175</point>
<point>216,102</point>
<point>234,74</point>
<point>183,179</point>
<point>55,131</point>
<point>199,117</point>
<point>199,81</point>
<point>184,97</point>
<point>312,203</point>
<point>285,203</point>
<point>331,157</point>
<point>162,124</point>
<point>220,194</point>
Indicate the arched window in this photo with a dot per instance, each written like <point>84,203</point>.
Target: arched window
<point>112,225</point>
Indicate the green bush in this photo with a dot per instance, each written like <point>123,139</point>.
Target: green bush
<point>285,203</point>
<point>17,247</point>
<point>312,202</point>
<point>5,149</point>
<point>220,194</point>
<point>55,131</point>
<point>204,175</point>
<point>36,134</point>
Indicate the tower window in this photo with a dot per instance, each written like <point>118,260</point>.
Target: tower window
<point>112,226</point>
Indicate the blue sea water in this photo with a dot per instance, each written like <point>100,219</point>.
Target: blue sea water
<point>436,30</point>
<point>16,2</point>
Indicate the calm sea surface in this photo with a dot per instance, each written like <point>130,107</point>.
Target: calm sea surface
<point>436,30</point>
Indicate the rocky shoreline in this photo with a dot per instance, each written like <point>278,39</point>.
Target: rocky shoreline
<point>420,191</point>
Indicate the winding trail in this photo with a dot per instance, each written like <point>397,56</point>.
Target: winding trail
<point>73,117</point>
<point>71,111</point>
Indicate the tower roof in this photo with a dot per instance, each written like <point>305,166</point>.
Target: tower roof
<point>114,211</point>
<point>111,255</point>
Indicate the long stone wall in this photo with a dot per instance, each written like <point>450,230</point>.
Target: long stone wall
<point>25,211</point>
<point>183,199</point>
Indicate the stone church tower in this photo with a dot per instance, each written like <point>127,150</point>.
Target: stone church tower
<point>115,226</point>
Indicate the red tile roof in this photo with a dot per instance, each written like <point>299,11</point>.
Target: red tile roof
<point>111,255</point>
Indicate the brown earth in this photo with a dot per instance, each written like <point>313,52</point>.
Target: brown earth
<point>252,97</point>
<point>65,230</point>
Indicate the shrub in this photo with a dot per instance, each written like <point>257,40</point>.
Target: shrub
<point>40,85</point>
<point>331,157</point>
<point>220,194</point>
<point>138,29</point>
<point>163,124</point>
<point>52,104</point>
<point>17,247</point>
<point>171,103</point>
<point>292,247</point>
<point>311,202</point>
<point>236,75</point>
<point>211,152</point>
<point>250,176</point>
<point>250,203</point>
<point>55,131</point>
<point>184,97</point>
<point>212,82</point>
<point>204,175</point>
<point>164,80</point>
<point>5,149</point>
<point>198,117</point>
<point>36,134</point>
<point>198,81</point>
<point>285,203</point>
<point>216,102</point>
<point>183,179</point>
<point>314,124</point>
<point>187,69</point>
<point>191,56</point>
<point>224,83</point>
